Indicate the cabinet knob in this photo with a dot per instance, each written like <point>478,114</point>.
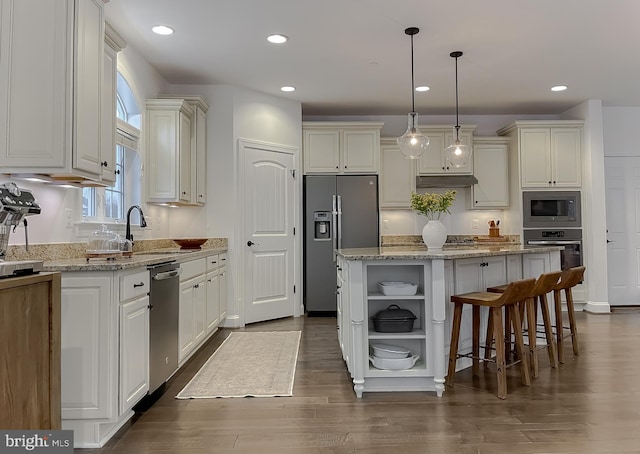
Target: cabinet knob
<point>196,286</point>
<point>549,182</point>
<point>554,182</point>
<point>104,163</point>
<point>184,192</point>
<point>117,171</point>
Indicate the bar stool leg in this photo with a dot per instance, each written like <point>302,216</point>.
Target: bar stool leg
<point>548,332</point>
<point>572,321</point>
<point>476,341</point>
<point>500,357</point>
<point>517,329</point>
<point>557,302</point>
<point>488,340</point>
<point>453,350</point>
<point>531,334</point>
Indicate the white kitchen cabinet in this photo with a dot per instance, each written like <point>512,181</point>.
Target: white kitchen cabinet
<point>113,43</point>
<point>134,339</point>
<point>52,128</point>
<point>169,156</point>
<point>397,176</point>
<point>335,147</point>
<point>88,346</point>
<point>216,310</point>
<point>491,168</point>
<point>433,161</point>
<point>192,315</point>
<point>549,152</point>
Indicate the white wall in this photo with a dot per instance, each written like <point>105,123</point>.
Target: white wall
<point>619,124</point>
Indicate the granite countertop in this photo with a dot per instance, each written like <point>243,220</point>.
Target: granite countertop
<point>138,259</point>
<point>420,253</point>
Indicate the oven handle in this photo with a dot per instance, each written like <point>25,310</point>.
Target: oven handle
<point>167,275</point>
<point>553,243</point>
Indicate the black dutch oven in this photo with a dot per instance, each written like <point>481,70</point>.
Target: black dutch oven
<point>393,319</point>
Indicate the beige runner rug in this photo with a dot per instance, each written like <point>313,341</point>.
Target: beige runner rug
<point>257,364</point>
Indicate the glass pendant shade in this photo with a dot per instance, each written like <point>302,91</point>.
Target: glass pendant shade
<point>413,143</point>
<point>457,154</point>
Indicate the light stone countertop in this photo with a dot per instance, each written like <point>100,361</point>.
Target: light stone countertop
<point>396,253</point>
<point>139,259</point>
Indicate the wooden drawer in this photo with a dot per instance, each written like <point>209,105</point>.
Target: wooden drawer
<point>192,268</point>
<point>134,285</point>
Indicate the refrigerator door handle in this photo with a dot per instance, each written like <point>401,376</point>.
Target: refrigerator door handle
<point>334,222</point>
<point>339,222</point>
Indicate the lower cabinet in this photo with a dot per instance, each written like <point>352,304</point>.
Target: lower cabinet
<point>193,293</point>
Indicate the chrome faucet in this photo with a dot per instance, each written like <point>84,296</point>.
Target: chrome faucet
<point>143,223</point>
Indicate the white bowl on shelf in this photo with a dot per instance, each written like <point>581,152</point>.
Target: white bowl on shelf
<point>397,288</point>
<point>394,363</point>
<point>389,351</point>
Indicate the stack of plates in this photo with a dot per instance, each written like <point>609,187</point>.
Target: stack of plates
<point>392,357</point>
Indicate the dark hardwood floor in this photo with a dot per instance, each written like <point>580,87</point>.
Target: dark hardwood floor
<point>590,405</point>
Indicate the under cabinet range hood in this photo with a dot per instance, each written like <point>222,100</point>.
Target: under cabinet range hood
<point>445,181</point>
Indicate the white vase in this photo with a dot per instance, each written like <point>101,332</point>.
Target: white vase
<point>434,235</point>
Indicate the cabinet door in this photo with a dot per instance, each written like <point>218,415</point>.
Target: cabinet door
<point>134,352</point>
<point>535,158</point>
<point>397,178</point>
<point>468,275</point>
<point>186,332</point>
<point>184,153</point>
<point>321,151</point>
<point>213,300</point>
<point>162,163</point>
<point>533,265</point>
<point>35,118</point>
<point>494,272</point>
<point>108,130</point>
<point>466,139</point>
<point>566,150</point>
<point>199,309</point>
<point>223,295</point>
<point>360,151</point>
<point>87,342</point>
<point>491,168</point>
<point>200,147</point>
<point>431,162</point>
<point>88,74</point>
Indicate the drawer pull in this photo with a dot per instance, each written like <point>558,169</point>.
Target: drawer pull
<point>141,284</point>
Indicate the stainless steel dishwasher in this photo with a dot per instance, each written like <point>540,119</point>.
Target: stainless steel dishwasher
<point>163,322</point>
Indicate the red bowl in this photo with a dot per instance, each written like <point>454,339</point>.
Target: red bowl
<point>190,243</point>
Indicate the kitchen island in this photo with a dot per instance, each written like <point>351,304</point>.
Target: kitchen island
<point>438,275</point>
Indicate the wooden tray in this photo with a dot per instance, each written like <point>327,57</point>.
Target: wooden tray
<point>489,239</point>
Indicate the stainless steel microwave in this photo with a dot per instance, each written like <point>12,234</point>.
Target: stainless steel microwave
<point>550,209</point>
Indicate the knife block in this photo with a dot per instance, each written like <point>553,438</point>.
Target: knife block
<point>494,232</point>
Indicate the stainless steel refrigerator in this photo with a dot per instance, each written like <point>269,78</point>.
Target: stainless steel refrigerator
<point>341,211</point>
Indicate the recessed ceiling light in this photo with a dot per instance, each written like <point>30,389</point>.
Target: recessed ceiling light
<point>288,88</point>
<point>277,39</point>
<point>422,88</point>
<point>559,88</point>
<point>162,30</point>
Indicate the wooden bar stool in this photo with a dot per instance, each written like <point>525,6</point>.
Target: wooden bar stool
<point>514,293</point>
<point>545,284</point>
<point>569,279</point>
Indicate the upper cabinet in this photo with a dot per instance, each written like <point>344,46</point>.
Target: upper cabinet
<point>549,152</point>
<point>53,125</point>
<point>491,168</point>
<point>433,161</point>
<point>176,144</point>
<point>397,176</point>
<point>331,147</point>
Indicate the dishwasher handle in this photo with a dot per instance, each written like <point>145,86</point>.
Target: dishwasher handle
<point>167,275</point>
<point>554,243</point>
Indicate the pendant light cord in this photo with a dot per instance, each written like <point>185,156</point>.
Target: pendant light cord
<point>457,122</point>
<point>413,105</point>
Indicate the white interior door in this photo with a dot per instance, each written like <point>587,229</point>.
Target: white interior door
<point>622,187</point>
<point>269,191</point>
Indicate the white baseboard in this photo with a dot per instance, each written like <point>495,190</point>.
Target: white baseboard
<point>597,307</point>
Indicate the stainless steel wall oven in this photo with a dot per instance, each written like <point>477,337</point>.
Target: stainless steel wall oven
<point>571,239</point>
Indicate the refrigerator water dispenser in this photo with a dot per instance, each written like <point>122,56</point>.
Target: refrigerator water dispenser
<point>322,225</point>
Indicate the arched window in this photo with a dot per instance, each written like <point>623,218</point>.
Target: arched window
<point>109,204</point>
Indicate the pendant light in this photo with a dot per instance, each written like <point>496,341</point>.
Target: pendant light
<point>412,143</point>
<point>457,154</point>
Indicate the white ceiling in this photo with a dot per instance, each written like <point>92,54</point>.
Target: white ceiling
<point>352,57</point>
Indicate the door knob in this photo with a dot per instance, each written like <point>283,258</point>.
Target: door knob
<point>610,241</point>
<point>251,243</point>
